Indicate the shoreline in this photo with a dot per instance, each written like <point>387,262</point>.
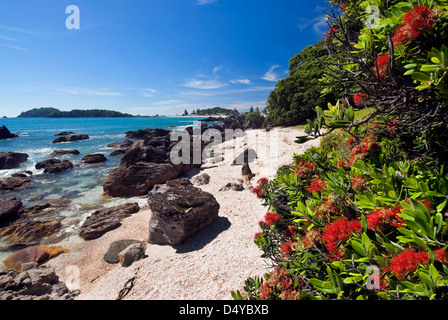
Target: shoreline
<point>207,266</point>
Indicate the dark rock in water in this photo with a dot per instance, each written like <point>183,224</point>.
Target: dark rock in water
<point>179,211</point>
<point>60,153</point>
<point>65,133</point>
<point>22,174</point>
<point>145,133</point>
<point>54,165</point>
<point>118,152</point>
<point>94,158</point>
<point>6,134</point>
<point>45,206</point>
<point>29,231</point>
<point>11,160</point>
<point>34,282</point>
<point>121,145</point>
<point>116,247</point>
<point>9,210</point>
<point>137,179</point>
<point>69,138</point>
<point>14,183</point>
<point>104,220</point>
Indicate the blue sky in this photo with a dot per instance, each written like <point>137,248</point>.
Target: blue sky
<point>150,56</point>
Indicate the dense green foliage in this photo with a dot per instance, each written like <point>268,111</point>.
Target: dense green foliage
<point>296,96</point>
<point>56,113</point>
<point>368,219</point>
<point>213,111</point>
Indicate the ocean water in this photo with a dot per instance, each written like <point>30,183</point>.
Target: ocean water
<point>83,184</point>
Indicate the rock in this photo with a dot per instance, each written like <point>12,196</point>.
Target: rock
<point>11,160</point>
<point>201,179</point>
<point>145,133</point>
<point>29,231</point>
<point>137,179</point>
<point>45,207</point>
<point>60,153</point>
<point>34,283</point>
<point>94,158</point>
<point>104,220</point>
<point>121,145</point>
<point>70,138</point>
<point>247,156</point>
<point>116,247</point>
<point>64,133</point>
<point>9,210</point>
<point>118,152</point>
<point>30,254</point>
<point>22,174</point>
<point>14,183</point>
<point>6,134</point>
<point>132,253</point>
<point>54,165</point>
<point>232,186</point>
<point>179,211</point>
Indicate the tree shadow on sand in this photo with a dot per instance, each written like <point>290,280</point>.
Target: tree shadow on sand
<point>204,236</point>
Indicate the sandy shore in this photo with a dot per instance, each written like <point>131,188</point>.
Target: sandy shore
<point>210,264</point>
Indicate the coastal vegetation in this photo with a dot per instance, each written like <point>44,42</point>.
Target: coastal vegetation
<point>48,112</point>
<point>364,216</point>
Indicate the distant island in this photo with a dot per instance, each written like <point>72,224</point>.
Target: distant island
<point>76,113</point>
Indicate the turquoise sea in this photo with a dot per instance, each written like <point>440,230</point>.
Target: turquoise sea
<point>83,184</point>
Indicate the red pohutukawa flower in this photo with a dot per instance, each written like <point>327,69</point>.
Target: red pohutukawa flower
<point>262,181</point>
<point>418,20</point>
<point>339,230</point>
<point>359,184</point>
<point>304,169</point>
<point>317,185</point>
<point>441,256</point>
<point>382,218</point>
<point>366,148</point>
<point>330,33</point>
<point>381,65</point>
<point>259,192</point>
<point>406,262</point>
<point>271,218</point>
<point>287,248</point>
<point>359,99</point>
<point>279,284</point>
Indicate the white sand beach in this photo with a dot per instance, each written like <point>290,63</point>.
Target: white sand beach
<point>207,266</point>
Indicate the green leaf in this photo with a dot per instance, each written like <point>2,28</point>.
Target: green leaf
<point>339,123</point>
<point>419,76</point>
<point>429,68</point>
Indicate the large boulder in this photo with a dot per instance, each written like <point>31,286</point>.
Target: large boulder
<point>29,231</point>
<point>137,179</point>
<point>9,210</point>
<point>69,138</point>
<point>121,145</point>
<point>6,134</point>
<point>179,210</point>
<point>104,220</point>
<point>94,158</point>
<point>54,165</point>
<point>145,133</point>
<point>14,183</point>
<point>11,160</point>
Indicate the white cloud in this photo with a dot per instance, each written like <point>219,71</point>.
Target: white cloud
<point>90,92</point>
<point>148,92</point>
<point>204,2</point>
<point>240,81</point>
<point>204,85</point>
<point>13,47</point>
<point>318,24</point>
<point>271,75</point>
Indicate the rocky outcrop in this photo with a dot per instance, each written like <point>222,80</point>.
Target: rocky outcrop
<point>104,220</point>
<point>147,133</point>
<point>33,282</point>
<point>69,138</point>
<point>15,183</point>
<point>38,254</point>
<point>94,158</point>
<point>6,134</point>
<point>11,160</point>
<point>23,231</point>
<point>54,165</point>
<point>145,164</point>
<point>121,145</point>
<point>179,210</point>
<point>66,152</point>
<point>9,210</point>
